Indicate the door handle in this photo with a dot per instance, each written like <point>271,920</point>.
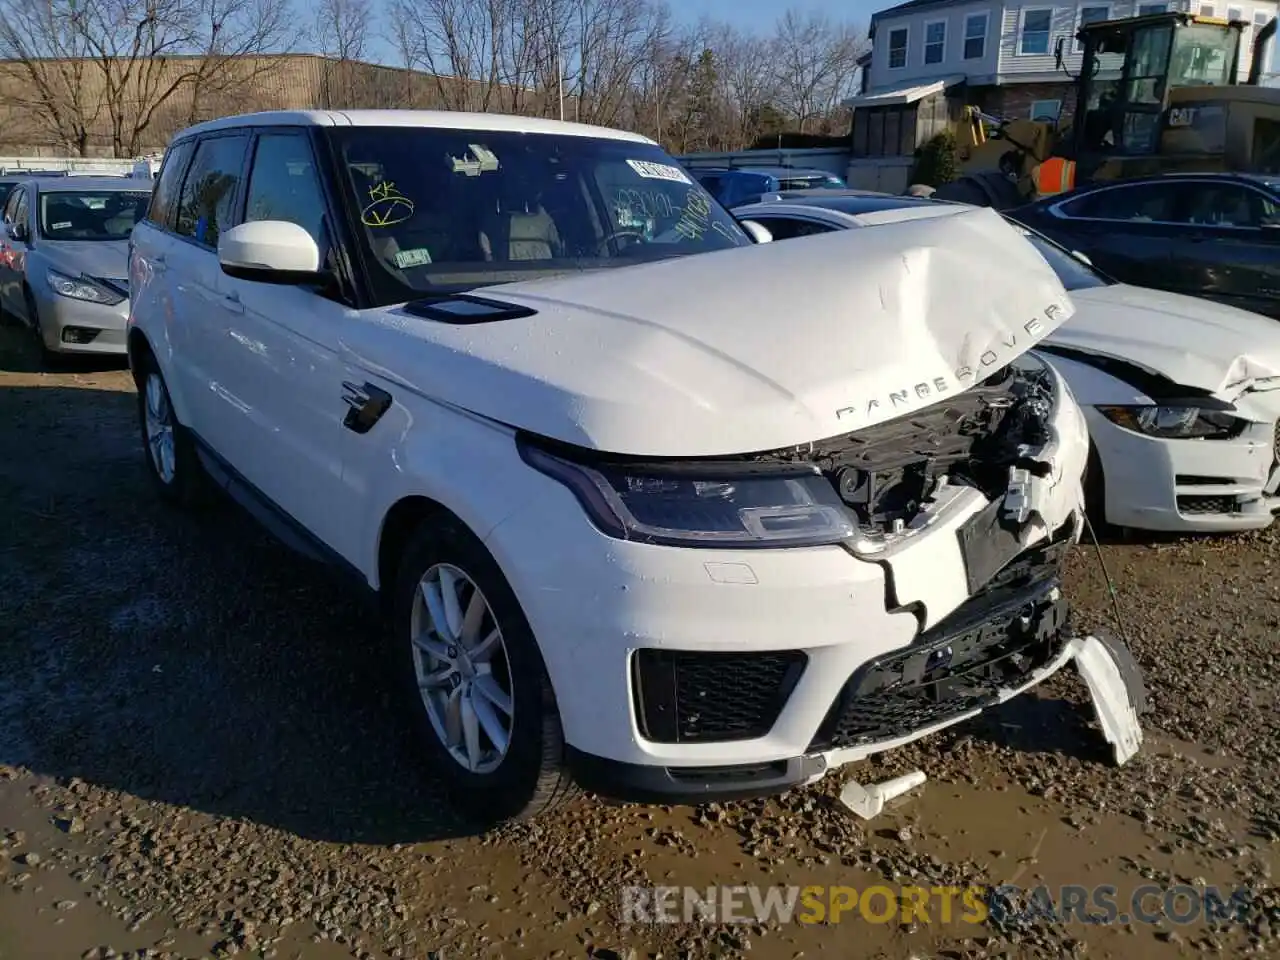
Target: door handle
<point>231,301</point>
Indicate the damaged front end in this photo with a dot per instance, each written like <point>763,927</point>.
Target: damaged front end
<point>994,437</point>
<point>985,465</point>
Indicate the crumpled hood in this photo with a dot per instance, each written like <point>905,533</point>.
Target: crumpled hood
<point>1194,342</point>
<point>105,259</point>
<point>743,350</point>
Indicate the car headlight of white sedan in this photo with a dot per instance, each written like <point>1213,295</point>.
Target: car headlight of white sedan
<point>82,288</point>
<point>1179,422</point>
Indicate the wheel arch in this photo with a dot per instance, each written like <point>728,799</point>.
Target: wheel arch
<point>138,350</point>
<point>399,522</point>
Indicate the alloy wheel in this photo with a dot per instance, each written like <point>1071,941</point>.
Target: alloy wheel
<point>158,413</point>
<point>464,676</point>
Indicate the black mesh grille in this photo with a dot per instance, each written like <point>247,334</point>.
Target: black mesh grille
<point>995,640</point>
<point>1208,504</point>
<point>685,697</point>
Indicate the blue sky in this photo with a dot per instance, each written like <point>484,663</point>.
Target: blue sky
<point>761,14</point>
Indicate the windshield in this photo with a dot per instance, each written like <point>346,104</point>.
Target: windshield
<point>1074,274</point>
<point>1202,55</point>
<point>91,214</point>
<point>442,211</point>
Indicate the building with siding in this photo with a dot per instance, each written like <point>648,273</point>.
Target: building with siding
<point>1004,49</point>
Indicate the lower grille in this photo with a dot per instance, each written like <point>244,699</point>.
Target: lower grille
<point>1208,504</point>
<point>995,640</point>
<point>685,697</point>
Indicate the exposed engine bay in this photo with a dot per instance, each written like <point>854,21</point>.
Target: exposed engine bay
<point>887,472</point>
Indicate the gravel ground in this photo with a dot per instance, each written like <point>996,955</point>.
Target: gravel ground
<point>197,757</point>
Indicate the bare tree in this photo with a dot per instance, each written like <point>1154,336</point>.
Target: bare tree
<point>43,76</point>
<point>747,82</point>
<point>612,38</point>
<point>341,36</point>
<point>129,61</point>
<point>457,43</point>
<point>815,64</point>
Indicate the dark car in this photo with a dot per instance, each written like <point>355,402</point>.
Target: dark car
<point>1214,235</point>
<point>747,184</point>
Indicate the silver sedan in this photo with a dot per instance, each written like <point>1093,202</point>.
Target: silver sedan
<point>64,260</point>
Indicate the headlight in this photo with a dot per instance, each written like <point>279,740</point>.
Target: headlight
<point>704,505</point>
<point>81,288</point>
<point>1182,422</point>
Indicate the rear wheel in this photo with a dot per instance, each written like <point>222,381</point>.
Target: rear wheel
<point>474,684</point>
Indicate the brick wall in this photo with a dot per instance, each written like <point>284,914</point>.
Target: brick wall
<point>1015,100</point>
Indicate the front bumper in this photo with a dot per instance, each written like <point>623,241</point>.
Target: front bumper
<point>795,653</point>
<point>77,326</point>
<point>1115,686</point>
<point>1191,486</point>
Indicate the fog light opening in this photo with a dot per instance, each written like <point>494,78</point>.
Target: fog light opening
<point>79,334</point>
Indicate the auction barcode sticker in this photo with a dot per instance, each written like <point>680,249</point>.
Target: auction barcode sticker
<point>658,171</point>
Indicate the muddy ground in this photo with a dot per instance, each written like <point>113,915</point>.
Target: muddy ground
<point>197,758</point>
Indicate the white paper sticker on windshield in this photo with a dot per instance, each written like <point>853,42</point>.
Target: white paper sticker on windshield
<point>659,171</point>
<point>418,257</point>
<point>61,226</point>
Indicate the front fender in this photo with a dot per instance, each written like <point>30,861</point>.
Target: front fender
<point>461,461</point>
<point>149,297</point>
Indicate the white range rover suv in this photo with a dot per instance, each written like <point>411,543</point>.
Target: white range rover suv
<point>629,532</point>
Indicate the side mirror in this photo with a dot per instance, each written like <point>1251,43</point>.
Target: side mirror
<point>270,251</point>
<point>757,231</point>
<point>1083,258</point>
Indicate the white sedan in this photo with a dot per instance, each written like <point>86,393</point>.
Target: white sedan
<point>1181,395</point>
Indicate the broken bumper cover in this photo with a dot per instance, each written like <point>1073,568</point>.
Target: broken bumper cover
<point>1115,686</point>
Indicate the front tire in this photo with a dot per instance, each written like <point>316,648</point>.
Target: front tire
<point>474,683</point>
<point>50,359</point>
<point>172,463</point>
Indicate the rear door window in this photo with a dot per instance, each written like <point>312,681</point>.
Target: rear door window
<point>1139,203</point>
<point>1227,205</point>
<point>11,203</point>
<point>164,197</point>
<point>206,205</point>
<point>21,206</point>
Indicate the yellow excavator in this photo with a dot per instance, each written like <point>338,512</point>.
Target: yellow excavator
<point>1155,94</point>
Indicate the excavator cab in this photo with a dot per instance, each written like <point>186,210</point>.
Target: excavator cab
<point>1155,94</point>
<point>1146,97</point>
